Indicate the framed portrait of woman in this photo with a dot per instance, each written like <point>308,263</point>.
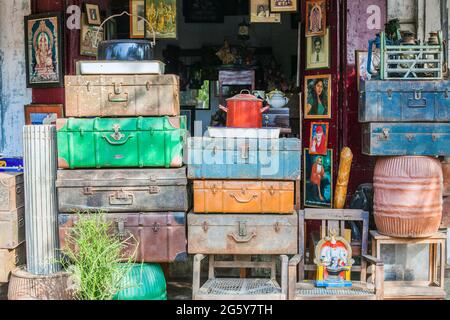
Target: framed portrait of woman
<point>44,50</point>
<point>318,97</point>
<point>316,18</point>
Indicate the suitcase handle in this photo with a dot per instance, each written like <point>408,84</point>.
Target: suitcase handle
<point>117,143</point>
<point>241,200</point>
<point>119,99</point>
<point>417,103</point>
<point>121,198</point>
<point>239,239</point>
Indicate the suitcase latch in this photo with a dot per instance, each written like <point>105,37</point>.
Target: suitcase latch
<point>434,137</point>
<point>156,227</point>
<point>205,226</point>
<point>117,88</point>
<point>87,191</point>
<point>214,189</point>
<point>153,190</point>
<point>88,86</point>
<point>385,134</point>
<point>389,93</point>
<point>409,137</point>
<point>417,94</point>
<point>245,152</point>
<point>147,86</point>
<point>277,227</point>
<point>446,94</point>
<point>272,191</point>
<point>21,222</point>
<point>117,135</point>
<point>121,229</point>
<point>242,229</point>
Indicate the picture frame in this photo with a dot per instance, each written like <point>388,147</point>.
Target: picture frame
<point>165,26</point>
<point>318,180</point>
<point>88,43</point>
<point>93,14</point>
<point>361,60</point>
<point>38,114</point>
<point>260,12</point>
<point>316,18</point>
<point>315,58</point>
<point>137,26</point>
<point>283,6</point>
<point>205,11</point>
<point>318,138</point>
<point>44,50</point>
<point>318,97</point>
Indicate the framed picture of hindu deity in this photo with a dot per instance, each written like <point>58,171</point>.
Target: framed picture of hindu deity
<point>162,15</point>
<point>137,25</point>
<point>283,5</point>
<point>90,37</point>
<point>318,52</point>
<point>93,14</point>
<point>318,97</point>
<point>318,139</point>
<point>260,12</point>
<point>318,180</point>
<point>316,18</point>
<point>44,54</point>
<point>43,114</point>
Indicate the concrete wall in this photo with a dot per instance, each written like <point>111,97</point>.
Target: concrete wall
<point>13,92</point>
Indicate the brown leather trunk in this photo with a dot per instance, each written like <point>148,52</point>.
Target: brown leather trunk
<point>219,196</point>
<point>11,191</point>
<point>161,237</point>
<point>12,228</point>
<point>10,259</point>
<point>122,95</point>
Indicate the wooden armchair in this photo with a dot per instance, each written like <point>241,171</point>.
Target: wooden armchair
<point>368,288</point>
<point>240,288</point>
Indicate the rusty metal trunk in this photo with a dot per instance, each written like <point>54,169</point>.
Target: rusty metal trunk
<point>10,259</point>
<point>12,228</point>
<point>242,234</point>
<point>11,191</point>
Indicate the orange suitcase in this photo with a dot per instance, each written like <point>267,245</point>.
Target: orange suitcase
<point>220,196</point>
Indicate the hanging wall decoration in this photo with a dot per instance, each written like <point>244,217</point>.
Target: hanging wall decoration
<point>318,97</point>
<point>316,18</point>
<point>43,114</point>
<point>318,52</point>
<point>44,50</point>
<point>162,15</point>
<point>203,11</point>
<point>88,40</point>
<point>318,180</point>
<point>137,25</point>
<point>283,5</point>
<point>260,12</point>
<point>318,139</point>
<point>93,14</point>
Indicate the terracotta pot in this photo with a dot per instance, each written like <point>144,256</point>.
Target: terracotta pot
<point>244,111</point>
<point>26,286</point>
<point>408,196</point>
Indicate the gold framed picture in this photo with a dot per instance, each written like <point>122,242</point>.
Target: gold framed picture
<point>316,18</point>
<point>283,5</point>
<point>260,12</point>
<point>162,15</point>
<point>318,97</point>
<point>318,179</point>
<point>137,25</point>
<point>93,14</point>
<point>88,40</point>
<point>318,52</point>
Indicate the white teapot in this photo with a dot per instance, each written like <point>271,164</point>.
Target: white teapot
<point>277,99</point>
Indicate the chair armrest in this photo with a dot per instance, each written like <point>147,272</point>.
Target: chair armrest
<point>294,262</point>
<point>372,260</point>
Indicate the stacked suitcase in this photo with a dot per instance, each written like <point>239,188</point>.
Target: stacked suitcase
<point>243,203</point>
<point>12,225</point>
<point>121,152</point>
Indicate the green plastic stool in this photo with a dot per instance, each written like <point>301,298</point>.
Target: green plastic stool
<point>144,282</point>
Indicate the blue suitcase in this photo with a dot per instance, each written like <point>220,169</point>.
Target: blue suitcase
<point>244,159</point>
<point>406,139</point>
<point>404,101</point>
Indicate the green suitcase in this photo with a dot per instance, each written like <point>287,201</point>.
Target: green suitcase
<point>121,142</point>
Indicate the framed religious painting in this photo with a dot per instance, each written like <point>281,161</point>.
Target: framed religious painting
<point>137,25</point>
<point>316,18</point>
<point>318,180</point>
<point>318,52</point>
<point>283,5</point>
<point>43,114</point>
<point>93,14</point>
<point>260,12</point>
<point>44,50</point>
<point>162,16</point>
<point>362,74</point>
<point>90,37</point>
<point>318,138</point>
<point>318,97</point>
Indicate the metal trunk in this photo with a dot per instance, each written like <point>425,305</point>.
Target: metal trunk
<point>161,236</point>
<point>404,101</point>
<point>12,228</point>
<point>125,142</point>
<point>122,95</point>
<point>242,234</point>
<point>244,159</point>
<point>406,139</point>
<point>40,199</point>
<point>218,196</point>
<point>10,259</point>
<point>11,191</point>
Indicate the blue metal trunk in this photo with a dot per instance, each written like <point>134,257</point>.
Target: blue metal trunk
<point>248,159</point>
<point>404,101</point>
<point>406,139</point>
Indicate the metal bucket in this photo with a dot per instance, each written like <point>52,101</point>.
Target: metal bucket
<point>408,196</point>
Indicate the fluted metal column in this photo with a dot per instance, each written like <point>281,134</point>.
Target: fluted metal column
<point>41,213</point>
